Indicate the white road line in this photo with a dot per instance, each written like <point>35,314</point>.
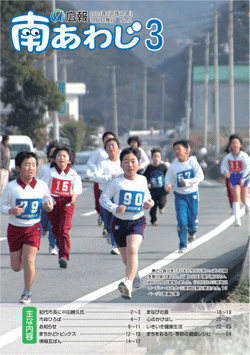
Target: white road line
<point>211,183</point>
<point>88,213</point>
<point>2,239</point>
<point>93,296</point>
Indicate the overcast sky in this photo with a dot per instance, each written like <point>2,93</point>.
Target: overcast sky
<point>182,20</point>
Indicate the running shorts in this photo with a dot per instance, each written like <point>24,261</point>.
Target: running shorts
<point>122,228</point>
<point>17,236</point>
<point>235,178</point>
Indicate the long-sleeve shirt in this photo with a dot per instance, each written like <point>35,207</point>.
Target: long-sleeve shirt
<point>238,164</point>
<point>144,159</point>
<point>131,193</point>
<point>95,159</point>
<point>31,196</point>
<point>41,172</point>
<point>4,157</point>
<point>104,171</point>
<point>189,171</point>
<point>63,183</point>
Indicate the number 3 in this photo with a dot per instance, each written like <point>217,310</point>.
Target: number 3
<point>156,34</point>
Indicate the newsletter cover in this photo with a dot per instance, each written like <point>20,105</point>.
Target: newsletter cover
<point>143,253</point>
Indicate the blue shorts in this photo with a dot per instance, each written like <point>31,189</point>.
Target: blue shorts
<point>122,228</point>
<point>235,178</point>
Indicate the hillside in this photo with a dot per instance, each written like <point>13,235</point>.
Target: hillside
<point>94,68</point>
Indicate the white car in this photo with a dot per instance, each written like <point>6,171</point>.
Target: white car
<point>80,166</point>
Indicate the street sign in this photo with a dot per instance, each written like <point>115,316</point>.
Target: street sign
<point>62,87</point>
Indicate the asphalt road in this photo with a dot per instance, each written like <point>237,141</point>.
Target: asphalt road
<point>92,267</point>
<point>93,273</point>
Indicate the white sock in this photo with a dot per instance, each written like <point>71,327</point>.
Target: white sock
<point>247,202</point>
<point>236,209</point>
<point>129,282</point>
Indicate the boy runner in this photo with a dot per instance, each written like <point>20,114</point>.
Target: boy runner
<point>184,175</point>
<point>95,159</point>
<point>23,199</point>
<point>155,174</point>
<point>106,171</point>
<point>127,196</point>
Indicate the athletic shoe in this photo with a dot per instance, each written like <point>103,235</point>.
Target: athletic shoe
<point>25,298</point>
<point>182,250</point>
<point>104,232</point>
<point>63,262</point>
<point>44,233</point>
<point>108,238</point>
<point>237,222</point>
<point>247,209</point>
<point>99,221</point>
<point>137,281</point>
<point>125,289</point>
<point>154,224</point>
<point>115,250</point>
<point>191,238</point>
<point>52,250</point>
<point>162,210</point>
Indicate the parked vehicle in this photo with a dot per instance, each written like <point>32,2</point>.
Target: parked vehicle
<point>80,166</point>
<point>17,144</point>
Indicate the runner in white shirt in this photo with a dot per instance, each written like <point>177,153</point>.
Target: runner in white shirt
<point>23,199</point>
<point>135,142</point>
<point>95,159</point>
<point>236,167</point>
<point>184,175</point>
<point>127,196</point>
<point>44,218</point>
<point>105,171</point>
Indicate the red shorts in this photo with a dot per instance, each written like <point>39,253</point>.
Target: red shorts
<point>17,236</point>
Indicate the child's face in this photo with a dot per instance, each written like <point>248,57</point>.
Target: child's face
<point>107,138</point>
<point>181,153</point>
<point>156,157</point>
<point>130,166</point>
<point>27,170</point>
<point>235,145</point>
<point>62,160</point>
<point>112,149</point>
<point>133,144</point>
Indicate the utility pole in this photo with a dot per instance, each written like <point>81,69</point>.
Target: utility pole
<point>55,77</point>
<point>163,103</point>
<point>114,100</point>
<point>206,90</point>
<point>145,100</point>
<point>189,87</point>
<point>105,101</point>
<point>216,87</point>
<point>231,68</point>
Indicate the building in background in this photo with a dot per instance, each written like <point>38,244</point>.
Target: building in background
<point>241,97</point>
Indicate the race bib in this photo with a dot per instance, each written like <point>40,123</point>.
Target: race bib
<point>235,166</point>
<point>61,187</point>
<point>188,174</point>
<point>157,181</point>
<point>31,208</point>
<point>133,200</point>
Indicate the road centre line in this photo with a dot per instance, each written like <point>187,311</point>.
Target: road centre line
<point>88,213</point>
<point>15,334</point>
